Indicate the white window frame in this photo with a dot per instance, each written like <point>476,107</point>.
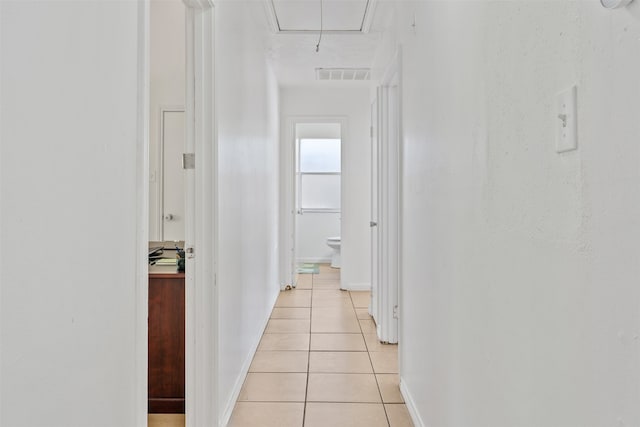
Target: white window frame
<point>300,174</point>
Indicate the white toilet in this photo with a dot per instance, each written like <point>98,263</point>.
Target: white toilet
<point>334,243</point>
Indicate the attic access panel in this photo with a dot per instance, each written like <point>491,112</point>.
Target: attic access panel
<point>337,15</point>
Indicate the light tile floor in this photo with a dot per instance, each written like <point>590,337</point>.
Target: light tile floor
<point>319,364</point>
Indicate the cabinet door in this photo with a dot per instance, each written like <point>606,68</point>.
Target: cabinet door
<point>166,343</point>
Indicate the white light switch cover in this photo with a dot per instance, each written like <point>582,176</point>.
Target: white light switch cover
<point>567,120</point>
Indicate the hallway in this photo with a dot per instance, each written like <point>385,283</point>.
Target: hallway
<point>319,363</point>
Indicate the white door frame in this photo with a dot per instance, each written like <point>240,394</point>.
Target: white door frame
<point>201,195</point>
<point>288,191</point>
<point>201,232</point>
<point>373,223</point>
<point>142,218</point>
<point>389,202</point>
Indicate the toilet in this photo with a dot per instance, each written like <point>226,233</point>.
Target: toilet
<point>334,243</point>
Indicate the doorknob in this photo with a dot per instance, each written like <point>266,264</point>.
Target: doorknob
<point>168,217</point>
<point>373,224</point>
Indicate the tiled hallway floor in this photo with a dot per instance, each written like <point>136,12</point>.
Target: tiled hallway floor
<point>320,364</point>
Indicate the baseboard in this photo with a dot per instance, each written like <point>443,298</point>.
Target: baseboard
<point>314,260</point>
<point>228,410</point>
<point>411,406</point>
<point>356,286</point>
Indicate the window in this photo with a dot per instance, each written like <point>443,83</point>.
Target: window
<point>319,175</point>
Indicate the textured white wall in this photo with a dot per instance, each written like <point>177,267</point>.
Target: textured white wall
<point>520,303</point>
<point>69,197</point>
<point>247,104</point>
<point>167,89</point>
<point>352,103</point>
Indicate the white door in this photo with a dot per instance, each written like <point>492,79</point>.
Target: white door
<point>173,176</point>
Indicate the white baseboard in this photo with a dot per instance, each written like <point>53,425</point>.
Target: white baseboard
<point>237,387</point>
<point>356,286</point>
<point>314,260</point>
<point>411,406</point>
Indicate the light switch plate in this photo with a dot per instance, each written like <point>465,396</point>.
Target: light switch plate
<point>567,120</point>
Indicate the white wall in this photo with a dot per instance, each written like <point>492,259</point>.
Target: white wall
<point>352,103</point>
<point>247,104</point>
<point>71,209</point>
<point>312,230</point>
<point>520,273</point>
<point>167,90</point>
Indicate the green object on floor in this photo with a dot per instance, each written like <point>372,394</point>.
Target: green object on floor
<point>308,268</point>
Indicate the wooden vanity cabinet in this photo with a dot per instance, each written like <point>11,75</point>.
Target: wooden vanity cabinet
<point>166,342</point>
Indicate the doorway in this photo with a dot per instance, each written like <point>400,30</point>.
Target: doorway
<point>192,129</point>
<point>312,188</point>
<point>167,134</point>
<point>318,180</point>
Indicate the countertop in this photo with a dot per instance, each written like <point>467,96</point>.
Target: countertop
<point>169,252</point>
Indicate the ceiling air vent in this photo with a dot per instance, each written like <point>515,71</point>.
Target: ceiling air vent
<point>342,73</point>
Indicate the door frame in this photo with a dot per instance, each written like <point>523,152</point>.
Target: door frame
<point>142,217</point>
<point>288,190</point>
<point>375,203</point>
<point>201,231</point>
<point>201,195</point>
<point>389,220</point>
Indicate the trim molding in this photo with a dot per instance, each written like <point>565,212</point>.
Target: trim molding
<point>411,405</point>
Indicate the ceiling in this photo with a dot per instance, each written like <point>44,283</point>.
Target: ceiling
<point>349,39</point>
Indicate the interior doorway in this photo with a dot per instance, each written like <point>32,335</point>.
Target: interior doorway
<point>318,187</point>
<point>167,143</point>
<point>183,144</point>
<point>312,189</point>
